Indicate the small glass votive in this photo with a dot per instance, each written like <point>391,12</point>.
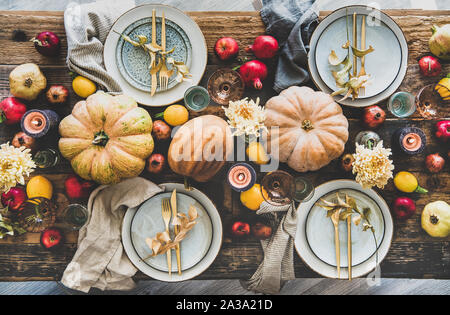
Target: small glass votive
<point>196,98</point>
<point>74,217</point>
<point>402,104</point>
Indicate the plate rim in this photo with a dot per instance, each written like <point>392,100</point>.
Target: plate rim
<point>167,192</point>
<point>364,102</point>
<point>144,98</point>
<point>209,258</point>
<point>384,247</point>
<point>364,97</point>
<point>378,246</point>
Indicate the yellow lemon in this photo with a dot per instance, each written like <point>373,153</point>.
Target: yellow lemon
<point>83,87</point>
<point>39,186</point>
<point>176,115</point>
<point>253,197</point>
<point>407,182</point>
<point>256,153</point>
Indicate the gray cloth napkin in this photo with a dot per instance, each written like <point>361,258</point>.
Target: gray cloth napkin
<point>100,260</point>
<point>87,26</point>
<point>278,264</point>
<point>292,24</point>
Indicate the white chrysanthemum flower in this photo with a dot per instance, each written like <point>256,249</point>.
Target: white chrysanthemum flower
<point>15,164</point>
<point>372,166</point>
<point>246,117</point>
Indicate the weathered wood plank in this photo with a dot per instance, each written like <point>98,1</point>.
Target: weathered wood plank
<point>413,252</point>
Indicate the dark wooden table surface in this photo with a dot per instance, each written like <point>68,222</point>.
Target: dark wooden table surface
<point>413,253</point>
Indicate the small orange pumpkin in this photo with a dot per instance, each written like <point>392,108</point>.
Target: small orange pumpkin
<point>200,147</point>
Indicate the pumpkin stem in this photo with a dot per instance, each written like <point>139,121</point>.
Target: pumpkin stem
<point>100,138</point>
<point>28,82</point>
<point>307,125</point>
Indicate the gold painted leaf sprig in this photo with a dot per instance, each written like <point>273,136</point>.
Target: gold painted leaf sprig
<point>161,242</point>
<point>346,208</point>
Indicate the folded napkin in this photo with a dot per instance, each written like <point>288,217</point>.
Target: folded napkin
<point>278,264</point>
<point>292,24</point>
<point>100,260</point>
<point>87,26</point>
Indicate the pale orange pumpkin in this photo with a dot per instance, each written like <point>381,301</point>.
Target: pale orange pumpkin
<point>200,147</point>
<point>107,138</point>
<point>312,129</point>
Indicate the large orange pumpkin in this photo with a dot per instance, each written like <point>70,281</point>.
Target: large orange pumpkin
<point>107,138</point>
<point>200,147</point>
<point>312,129</point>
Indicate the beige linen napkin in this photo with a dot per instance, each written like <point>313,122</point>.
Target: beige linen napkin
<point>87,26</point>
<point>100,260</point>
<point>278,263</point>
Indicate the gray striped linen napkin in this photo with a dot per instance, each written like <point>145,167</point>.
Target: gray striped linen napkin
<point>87,26</point>
<point>277,266</point>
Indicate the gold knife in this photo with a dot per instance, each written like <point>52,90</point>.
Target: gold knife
<point>153,70</point>
<point>173,204</point>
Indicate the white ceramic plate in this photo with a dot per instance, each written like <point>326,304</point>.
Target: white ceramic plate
<point>196,39</point>
<point>198,249</point>
<point>387,65</point>
<point>314,240</point>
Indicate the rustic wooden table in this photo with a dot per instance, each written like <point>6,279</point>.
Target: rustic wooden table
<point>413,253</point>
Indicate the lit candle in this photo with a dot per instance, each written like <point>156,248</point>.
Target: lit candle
<point>241,177</point>
<point>411,140</point>
<point>37,123</point>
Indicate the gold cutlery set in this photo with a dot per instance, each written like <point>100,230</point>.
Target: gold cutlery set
<point>169,211</point>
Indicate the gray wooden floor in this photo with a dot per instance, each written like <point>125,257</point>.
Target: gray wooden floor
<point>232,287</point>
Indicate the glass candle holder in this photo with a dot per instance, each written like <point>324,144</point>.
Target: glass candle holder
<point>196,98</point>
<point>428,101</point>
<point>74,217</point>
<point>225,85</point>
<point>402,104</point>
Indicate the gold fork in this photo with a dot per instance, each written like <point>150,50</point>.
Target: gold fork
<point>337,245</point>
<point>362,71</point>
<point>166,215</point>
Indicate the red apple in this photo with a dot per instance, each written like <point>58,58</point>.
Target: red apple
<point>156,163</point>
<point>47,43</point>
<point>14,198</point>
<point>57,94</point>
<point>78,188</point>
<point>21,139</point>
<point>434,163</point>
<point>240,229</point>
<point>261,231</point>
<point>51,238</point>
<point>403,207</point>
<point>443,130</point>
<point>161,131</point>
<point>11,111</point>
<point>429,66</point>
<point>373,116</point>
<point>226,48</point>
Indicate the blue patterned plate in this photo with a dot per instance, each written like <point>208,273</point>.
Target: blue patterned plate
<point>134,63</point>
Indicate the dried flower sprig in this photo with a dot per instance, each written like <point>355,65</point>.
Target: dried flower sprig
<point>348,208</point>
<point>372,166</point>
<point>15,164</point>
<point>161,242</point>
<point>246,117</point>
